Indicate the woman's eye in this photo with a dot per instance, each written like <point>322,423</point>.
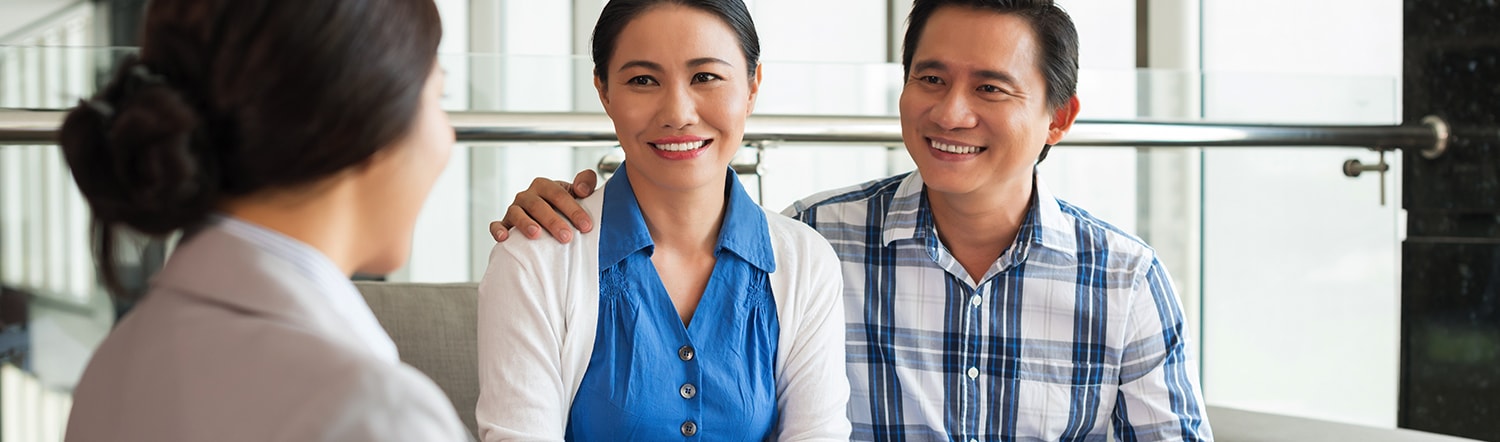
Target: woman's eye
<point>703,77</point>
<point>641,80</point>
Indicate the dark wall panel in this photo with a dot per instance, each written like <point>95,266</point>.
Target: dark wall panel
<point>1450,289</point>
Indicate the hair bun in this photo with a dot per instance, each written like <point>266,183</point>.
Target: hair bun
<point>133,155</point>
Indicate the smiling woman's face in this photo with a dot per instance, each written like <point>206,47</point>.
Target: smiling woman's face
<point>678,92</point>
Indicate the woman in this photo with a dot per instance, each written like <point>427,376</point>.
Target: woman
<point>294,143</point>
<point>691,312</point>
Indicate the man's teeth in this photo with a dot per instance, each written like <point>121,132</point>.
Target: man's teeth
<point>953,148</point>
<point>681,147</point>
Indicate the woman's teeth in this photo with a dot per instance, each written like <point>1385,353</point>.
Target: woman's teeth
<point>680,147</point>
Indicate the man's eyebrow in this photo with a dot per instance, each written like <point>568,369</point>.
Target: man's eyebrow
<point>929,65</point>
<point>996,76</point>
<point>988,74</point>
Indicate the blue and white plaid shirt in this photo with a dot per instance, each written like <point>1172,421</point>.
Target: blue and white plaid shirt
<point>1074,328</point>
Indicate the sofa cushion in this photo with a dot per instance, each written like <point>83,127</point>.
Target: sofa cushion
<point>435,330</point>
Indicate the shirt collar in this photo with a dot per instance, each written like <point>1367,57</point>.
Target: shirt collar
<point>909,216</point>
<point>745,232</point>
<point>907,210</point>
<point>1051,229</point>
<point>622,227</point>
<point>623,231</point>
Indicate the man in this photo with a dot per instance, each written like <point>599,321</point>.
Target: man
<point>980,306</point>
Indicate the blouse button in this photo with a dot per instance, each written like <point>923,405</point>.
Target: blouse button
<point>689,428</point>
<point>685,353</point>
<point>688,391</point>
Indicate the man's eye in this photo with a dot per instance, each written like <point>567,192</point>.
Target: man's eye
<point>930,79</point>
<point>990,89</point>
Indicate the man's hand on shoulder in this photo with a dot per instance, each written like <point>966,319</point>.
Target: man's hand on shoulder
<point>543,204</point>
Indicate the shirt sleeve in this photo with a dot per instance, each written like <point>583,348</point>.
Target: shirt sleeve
<point>1159,395</point>
<point>521,391</point>
<point>813,388</point>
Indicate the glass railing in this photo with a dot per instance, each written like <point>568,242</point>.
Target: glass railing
<point>1248,233</point>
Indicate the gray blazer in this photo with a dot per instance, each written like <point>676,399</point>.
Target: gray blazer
<point>232,343</point>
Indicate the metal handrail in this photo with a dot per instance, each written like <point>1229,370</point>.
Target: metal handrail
<point>40,127</point>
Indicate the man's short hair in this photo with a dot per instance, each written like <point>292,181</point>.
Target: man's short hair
<point>1057,39</point>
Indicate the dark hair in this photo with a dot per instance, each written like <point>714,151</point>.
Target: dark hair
<point>619,13</point>
<point>1056,37</point>
<point>231,97</point>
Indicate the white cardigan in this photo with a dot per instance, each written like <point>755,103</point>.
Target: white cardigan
<point>538,313</point>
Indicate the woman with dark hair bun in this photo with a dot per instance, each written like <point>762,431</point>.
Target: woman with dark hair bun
<point>293,143</point>
<point>691,312</point>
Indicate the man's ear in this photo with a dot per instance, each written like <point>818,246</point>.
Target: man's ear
<point>1062,120</point>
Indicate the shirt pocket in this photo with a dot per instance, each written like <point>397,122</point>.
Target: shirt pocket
<point>1056,398</point>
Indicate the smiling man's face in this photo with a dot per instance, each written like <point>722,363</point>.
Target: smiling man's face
<point>974,111</point>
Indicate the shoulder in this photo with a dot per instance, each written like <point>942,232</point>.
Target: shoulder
<point>796,244</point>
<point>808,272</point>
<point>544,250</point>
<point>368,399</point>
<point>789,232</point>
<point>1095,236</point>
<point>523,254</point>
<point>358,395</point>
<point>247,373</point>
<point>857,194</point>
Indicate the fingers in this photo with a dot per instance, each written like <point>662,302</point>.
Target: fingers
<point>499,231</point>
<point>559,199</point>
<point>583,186</point>
<point>515,216</point>
<point>584,183</point>
<point>539,206</point>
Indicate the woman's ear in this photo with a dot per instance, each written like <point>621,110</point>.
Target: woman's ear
<point>755,84</point>
<point>602,88</point>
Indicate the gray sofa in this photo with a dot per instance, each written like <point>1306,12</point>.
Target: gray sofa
<point>435,329</point>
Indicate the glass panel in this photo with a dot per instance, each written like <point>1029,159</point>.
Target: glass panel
<point>1301,265</point>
